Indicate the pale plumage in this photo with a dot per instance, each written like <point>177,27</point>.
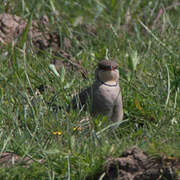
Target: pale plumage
<point>104,95</point>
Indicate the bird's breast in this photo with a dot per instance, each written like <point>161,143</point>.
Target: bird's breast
<point>104,98</point>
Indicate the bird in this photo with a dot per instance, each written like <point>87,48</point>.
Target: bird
<point>104,95</point>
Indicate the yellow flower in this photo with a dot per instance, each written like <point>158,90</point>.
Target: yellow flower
<point>138,106</point>
<point>57,133</point>
<point>77,129</point>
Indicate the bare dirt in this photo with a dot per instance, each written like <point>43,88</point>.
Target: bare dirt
<point>12,27</point>
<point>9,159</point>
<point>41,37</point>
<point>134,164</point>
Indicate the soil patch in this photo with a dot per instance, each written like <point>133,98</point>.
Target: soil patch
<point>8,159</point>
<point>41,37</point>
<point>134,164</point>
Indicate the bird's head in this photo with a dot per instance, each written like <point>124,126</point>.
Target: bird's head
<point>107,72</point>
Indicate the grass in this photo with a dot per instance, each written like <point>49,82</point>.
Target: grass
<point>147,51</point>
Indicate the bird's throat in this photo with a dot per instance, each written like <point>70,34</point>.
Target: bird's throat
<point>108,77</point>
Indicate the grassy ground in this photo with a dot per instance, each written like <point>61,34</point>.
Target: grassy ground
<point>146,47</point>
